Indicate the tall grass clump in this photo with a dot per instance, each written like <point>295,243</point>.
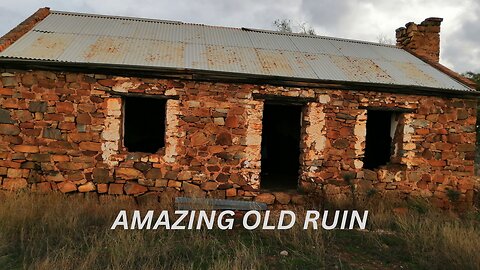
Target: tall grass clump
<point>55,231</point>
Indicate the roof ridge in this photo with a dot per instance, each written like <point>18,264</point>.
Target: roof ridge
<point>113,17</point>
<point>318,36</point>
<point>225,27</point>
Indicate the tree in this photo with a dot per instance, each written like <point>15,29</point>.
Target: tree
<point>474,77</point>
<point>306,29</point>
<point>383,39</point>
<point>285,26</point>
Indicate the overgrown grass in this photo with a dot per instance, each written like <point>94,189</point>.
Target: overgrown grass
<point>71,232</point>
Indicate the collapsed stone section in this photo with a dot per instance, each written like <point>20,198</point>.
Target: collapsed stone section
<point>64,131</point>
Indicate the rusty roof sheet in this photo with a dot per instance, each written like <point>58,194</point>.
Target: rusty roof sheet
<point>88,38</point>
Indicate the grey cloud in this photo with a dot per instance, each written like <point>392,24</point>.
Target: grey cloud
<point>470,30</point>
<point>327,13</point>
<point>461,47</point>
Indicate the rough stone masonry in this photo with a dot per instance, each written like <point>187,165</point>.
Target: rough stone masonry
<point>62,131</point>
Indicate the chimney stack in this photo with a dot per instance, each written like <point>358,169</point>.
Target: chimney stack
<point>422,39</point>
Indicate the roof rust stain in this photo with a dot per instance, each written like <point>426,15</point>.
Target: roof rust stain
<point>415,74</point>
<point>301,64</point>
<point>274,62</point>
<point>105,47</point>
<point>167,53</point>
<point>221,56</point>
<point>349,68</point>
<point>227,58</point>
<point>45,46</point>
<point>361,69</point>
<point>373,71</point>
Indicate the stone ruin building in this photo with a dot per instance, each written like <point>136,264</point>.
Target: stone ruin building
<point>157,109</point>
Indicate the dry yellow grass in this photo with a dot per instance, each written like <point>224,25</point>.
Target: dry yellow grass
<point>71,232</point>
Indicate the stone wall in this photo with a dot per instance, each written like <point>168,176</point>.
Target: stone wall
<point>63,131</point>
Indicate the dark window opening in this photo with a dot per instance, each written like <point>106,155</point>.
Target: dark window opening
<point>378,143</point>
<point>144,127</point>
<point>280,146</point>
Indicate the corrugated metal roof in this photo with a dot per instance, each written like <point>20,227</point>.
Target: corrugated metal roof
<point>87,38</point>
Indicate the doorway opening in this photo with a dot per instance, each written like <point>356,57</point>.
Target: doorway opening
<point>280,146</point>
<point>381,127</point>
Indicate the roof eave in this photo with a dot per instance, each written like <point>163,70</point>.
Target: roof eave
<point>220,76</point>
<point>452,74</point>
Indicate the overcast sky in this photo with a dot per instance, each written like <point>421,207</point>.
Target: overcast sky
<point>356,19</point>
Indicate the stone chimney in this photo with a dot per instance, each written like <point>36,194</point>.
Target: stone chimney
<point>422,39</point>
